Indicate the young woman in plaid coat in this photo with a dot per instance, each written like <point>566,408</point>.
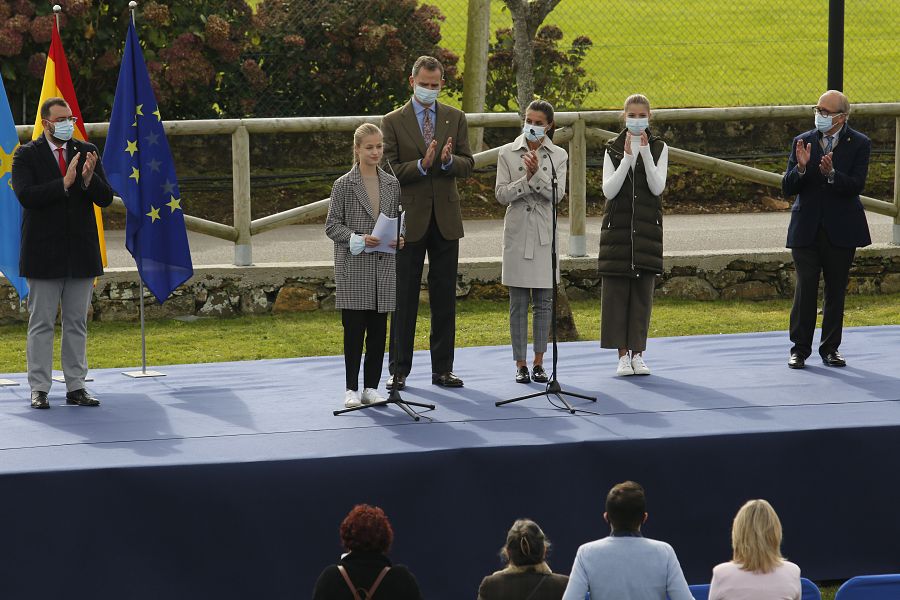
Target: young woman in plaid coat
<point>364,281</point>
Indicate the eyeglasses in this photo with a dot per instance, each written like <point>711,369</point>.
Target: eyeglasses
<point>825,112</point>
<point>71,120</point>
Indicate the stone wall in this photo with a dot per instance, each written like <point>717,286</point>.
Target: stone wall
<point>225,291</point>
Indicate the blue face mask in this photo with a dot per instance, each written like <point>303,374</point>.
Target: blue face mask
<point>637,125</point>
<point>538,134</point>
<point>823,124</point>
<point>63,130</point>
<point>426,96</point>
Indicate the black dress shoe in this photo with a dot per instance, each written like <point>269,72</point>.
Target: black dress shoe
<point>834,359</point>
<point>447,379</point>
<point>39,400</point>
<point>398,380</point>
<point>796,361</point>
<point>539,374</point>
<point>81,398</point>
<point>522,375</point>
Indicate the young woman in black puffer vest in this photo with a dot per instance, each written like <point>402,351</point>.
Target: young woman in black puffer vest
<point>631,241</point>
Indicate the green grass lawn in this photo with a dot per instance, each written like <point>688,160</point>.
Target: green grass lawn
<point>717,52</point>
<point>479,323</point>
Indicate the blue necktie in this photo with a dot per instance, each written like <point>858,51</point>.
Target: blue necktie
<point>829,141</point>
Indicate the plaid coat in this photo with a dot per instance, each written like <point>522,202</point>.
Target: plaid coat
<point>365,281</point>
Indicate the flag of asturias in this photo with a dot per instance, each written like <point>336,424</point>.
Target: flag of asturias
<point>58,84</point>
<point>139,167</point>
<point>10,209</point>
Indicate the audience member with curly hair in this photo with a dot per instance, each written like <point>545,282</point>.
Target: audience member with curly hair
<point>365,572</point>
<point>757,571</point>
<point>527,575</point>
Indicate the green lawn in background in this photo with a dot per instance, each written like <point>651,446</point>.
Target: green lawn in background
<point>479,323</point>
<point>717,52</point>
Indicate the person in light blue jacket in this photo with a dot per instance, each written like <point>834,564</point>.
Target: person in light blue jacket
<point>625,564</point>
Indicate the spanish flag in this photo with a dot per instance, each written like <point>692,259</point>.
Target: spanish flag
<point>58,83</point>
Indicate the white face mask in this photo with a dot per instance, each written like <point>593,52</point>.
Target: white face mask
<point>425,95</point>
<point>823,124</point>
<point>63,130</point>
<point>637,125</point>
<point>537,135</point>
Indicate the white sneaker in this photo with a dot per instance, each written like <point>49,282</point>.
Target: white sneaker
<point>639,366</point>
<point>370,396</point>
<point>624,367</point>
<point>351,399</point>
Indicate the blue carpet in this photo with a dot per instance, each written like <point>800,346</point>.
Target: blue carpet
<point>229,480</point>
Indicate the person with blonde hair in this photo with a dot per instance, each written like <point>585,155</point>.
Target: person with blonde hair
<point>757,570</point>
<point>631,238</point>
<point>364,281</point>
<point>527,574</point>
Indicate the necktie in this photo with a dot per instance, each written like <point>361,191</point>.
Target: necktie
<point>427,127</point>
<point>63,167</point>
<point>829,141</point>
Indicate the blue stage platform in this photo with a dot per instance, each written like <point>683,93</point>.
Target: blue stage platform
<point>229,480</point>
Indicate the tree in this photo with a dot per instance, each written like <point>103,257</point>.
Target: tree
<point>558,74</point>
<point>345,56</point>
<point>527,16</point>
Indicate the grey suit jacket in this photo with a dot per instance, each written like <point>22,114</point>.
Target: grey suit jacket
<point>365,281</point>
<point>436,190</point>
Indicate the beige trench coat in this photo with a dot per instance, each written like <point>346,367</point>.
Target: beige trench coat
<point>528,224</point>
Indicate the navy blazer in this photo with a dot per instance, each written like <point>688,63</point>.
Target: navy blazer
<point>834,205</point>
<point>59,229</point>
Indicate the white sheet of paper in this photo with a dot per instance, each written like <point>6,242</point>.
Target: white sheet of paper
<point>386,231</point>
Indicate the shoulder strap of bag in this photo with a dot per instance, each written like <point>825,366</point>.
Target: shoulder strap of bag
<point>543,578</point>
<point>349,583</point>
<point>368,592</point>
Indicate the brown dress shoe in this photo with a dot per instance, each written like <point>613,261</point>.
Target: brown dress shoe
<point>447,379</point>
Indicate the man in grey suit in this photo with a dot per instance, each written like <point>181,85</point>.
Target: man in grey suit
<point>57,180</point>
<point>426,144</point>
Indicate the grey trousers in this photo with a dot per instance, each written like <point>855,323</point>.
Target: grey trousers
<point>542,302</point>
<point>44,298</point>
<point>625,305</point>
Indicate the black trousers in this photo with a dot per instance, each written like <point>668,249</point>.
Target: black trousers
<point>443,260</point>
<point>369,326</point>
<point>832,263</point>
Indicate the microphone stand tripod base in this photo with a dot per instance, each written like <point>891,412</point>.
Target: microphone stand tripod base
<point>140,374</point>
<point>7,382</point>
<point>393,398</point>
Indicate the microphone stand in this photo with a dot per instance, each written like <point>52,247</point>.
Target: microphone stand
<point>394,395</point>
<point>553,386</point>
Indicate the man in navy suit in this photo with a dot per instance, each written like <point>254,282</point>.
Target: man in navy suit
<point>827,171</point>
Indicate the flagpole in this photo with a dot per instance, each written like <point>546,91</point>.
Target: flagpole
<point>143,372</point>
<point>56,10</point>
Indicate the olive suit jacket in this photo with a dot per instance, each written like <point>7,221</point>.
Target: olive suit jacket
<point>436,190</point>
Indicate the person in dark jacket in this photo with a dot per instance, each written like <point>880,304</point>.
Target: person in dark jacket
<point>631,240</point>
<point>527,575</point>
<point>58,180</point>
<point>827,172</point>
<point>365,571</point>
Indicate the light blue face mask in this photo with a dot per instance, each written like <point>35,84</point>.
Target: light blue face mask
<point>63,130</point>
<point>426,96</point>
<point>538,134</point>
<point>823,124</point>
<point>637,125</point>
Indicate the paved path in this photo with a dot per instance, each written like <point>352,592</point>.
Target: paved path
<point>683,234</point>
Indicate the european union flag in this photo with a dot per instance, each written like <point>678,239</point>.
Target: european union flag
<point>10,209</point>
<point>139,166</point>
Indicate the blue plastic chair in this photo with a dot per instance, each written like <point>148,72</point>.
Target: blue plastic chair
<point>870,587</point>
<point>699,591</point>
<point>809,590</point>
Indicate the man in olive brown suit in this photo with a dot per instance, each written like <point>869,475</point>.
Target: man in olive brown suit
<point>427,146</point>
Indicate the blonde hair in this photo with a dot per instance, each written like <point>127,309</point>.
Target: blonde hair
<point>366,129</point>
<point>636,99</point>
<point>756,537</point>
